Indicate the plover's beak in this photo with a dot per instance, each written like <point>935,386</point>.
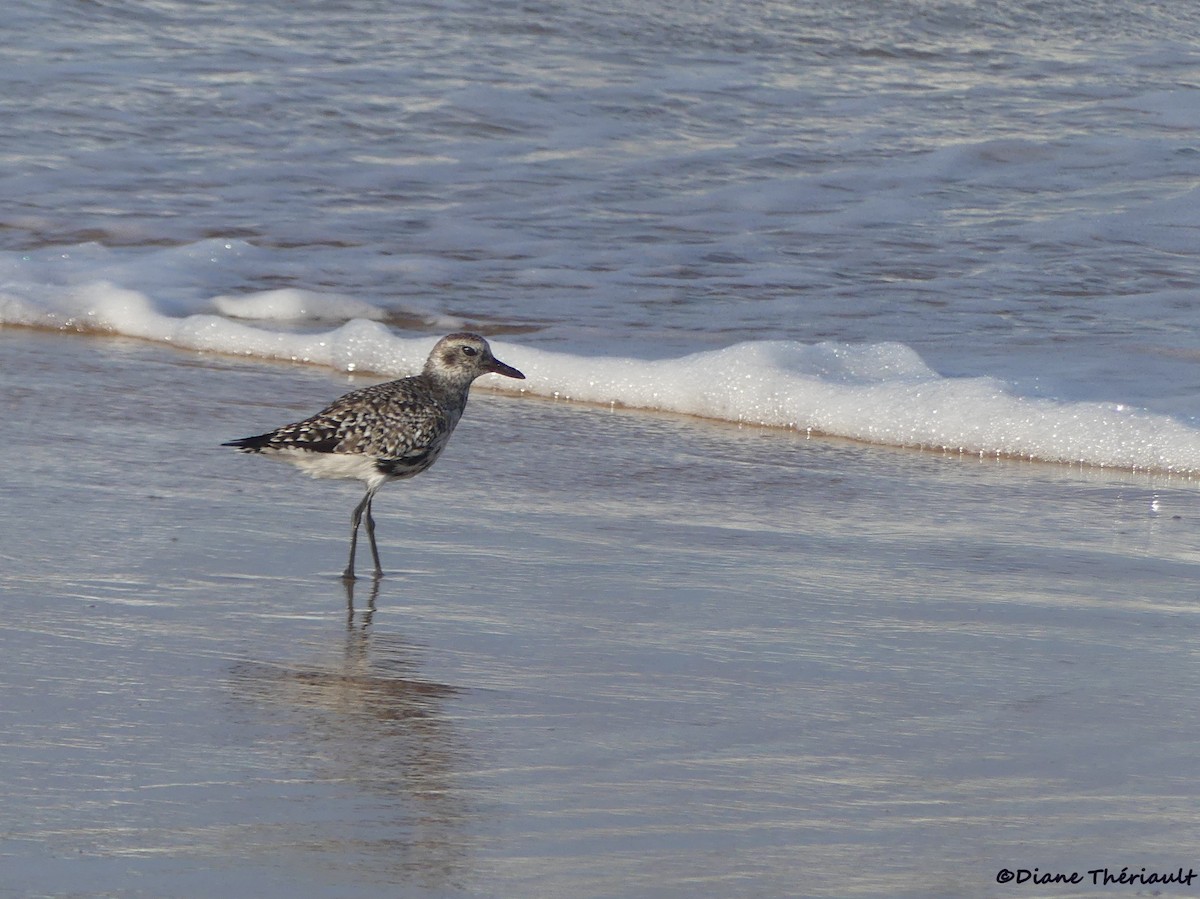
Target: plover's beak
<point>507,370</point>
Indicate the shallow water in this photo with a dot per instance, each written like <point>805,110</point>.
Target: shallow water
<point>614,654</point>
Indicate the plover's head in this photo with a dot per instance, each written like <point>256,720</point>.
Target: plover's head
<point>461,358</point>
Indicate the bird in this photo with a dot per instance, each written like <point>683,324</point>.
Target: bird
<point>386,432</point>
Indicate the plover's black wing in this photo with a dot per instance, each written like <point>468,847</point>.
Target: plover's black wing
<point>399,420</point>
<point>395,420</point>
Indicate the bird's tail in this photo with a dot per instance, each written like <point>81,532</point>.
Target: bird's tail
<point>250,444</point>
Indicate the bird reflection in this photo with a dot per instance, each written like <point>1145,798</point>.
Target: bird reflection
<point>368,613</point>
<point>367,718</point>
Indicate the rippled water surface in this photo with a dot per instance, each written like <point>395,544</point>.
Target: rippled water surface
<point>617,652</point>
<point>612,655</point>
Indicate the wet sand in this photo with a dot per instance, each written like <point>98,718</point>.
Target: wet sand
<point>614,655</point>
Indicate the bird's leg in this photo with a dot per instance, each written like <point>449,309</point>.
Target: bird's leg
<point>371,536</point>
<point>355,518</point>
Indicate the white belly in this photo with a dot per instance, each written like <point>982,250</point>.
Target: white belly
<point>352,466</point>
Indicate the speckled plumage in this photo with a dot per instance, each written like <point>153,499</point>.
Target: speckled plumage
<point>385,432</point>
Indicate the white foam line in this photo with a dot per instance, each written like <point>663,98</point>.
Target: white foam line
<point>879,393</point>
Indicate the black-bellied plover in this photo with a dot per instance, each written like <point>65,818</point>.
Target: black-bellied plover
<point>386,432</point>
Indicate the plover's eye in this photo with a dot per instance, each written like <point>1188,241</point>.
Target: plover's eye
<point>470,351</point>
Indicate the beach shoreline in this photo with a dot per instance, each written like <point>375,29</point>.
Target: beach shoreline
<point>613,654</point>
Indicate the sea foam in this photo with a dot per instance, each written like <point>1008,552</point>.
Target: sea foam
<point>882,393</point>
<point>878,393</point>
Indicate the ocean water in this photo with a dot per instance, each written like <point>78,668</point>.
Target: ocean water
<point>684,613</point>
<point>964,222</point>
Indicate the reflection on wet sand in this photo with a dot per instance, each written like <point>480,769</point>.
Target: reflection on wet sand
<point>366,718</point>
<point>368,612</point>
